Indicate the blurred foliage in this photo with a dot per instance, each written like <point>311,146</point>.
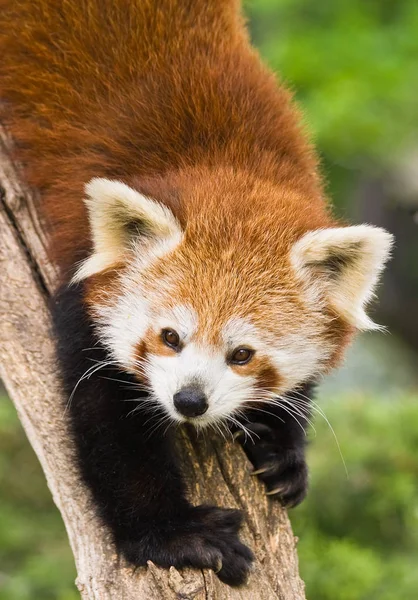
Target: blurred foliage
<point>359,534</point>
<point>35,558</point>
<point>353,66</point>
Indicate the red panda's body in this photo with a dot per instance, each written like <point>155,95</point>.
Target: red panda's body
<point>205,263</point>
<point>133,90</point>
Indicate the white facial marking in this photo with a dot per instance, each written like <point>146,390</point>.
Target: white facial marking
<point>240,332</point>
<point>297,359</point>
<point>206,367</point>
<point>182,318</point>
<point>122,325</point>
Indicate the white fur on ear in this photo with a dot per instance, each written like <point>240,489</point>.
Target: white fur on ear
<point>120,217</point>
<point>345,262</point>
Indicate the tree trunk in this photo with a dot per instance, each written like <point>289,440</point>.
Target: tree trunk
<point>217,472</point>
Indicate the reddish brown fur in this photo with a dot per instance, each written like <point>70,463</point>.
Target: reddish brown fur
<point>153,344</point>
<point>122,90</point>
<point>174,102</point>
<point>340,334</point>
<point>103,285</point>
<point>141,352</point>
<point>268,377</point>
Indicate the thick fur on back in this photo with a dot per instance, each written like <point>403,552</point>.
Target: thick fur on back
<point>128,91</point>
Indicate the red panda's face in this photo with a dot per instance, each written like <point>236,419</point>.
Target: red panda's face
<point>207,356</point>
<point>219,314</point>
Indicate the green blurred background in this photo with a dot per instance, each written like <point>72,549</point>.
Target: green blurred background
<point>353,65</point>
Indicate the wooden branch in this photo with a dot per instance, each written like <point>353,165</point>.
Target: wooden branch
<point>217,473</point>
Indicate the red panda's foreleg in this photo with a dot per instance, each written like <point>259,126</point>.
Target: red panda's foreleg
<point>129,462</point>
<point>276,445</point>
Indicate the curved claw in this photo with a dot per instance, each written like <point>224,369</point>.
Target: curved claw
<point>262,470</point>
<point>277,490</point>
<point>218,566</point>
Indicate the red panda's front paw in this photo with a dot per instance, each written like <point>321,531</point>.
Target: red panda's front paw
<point>216,531</point>
<point>286,479</point>
<point>204,538</point>
<point>284,471</point>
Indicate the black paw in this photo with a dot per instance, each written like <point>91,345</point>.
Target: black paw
<point>286,478</point>
<point>206,537</point>
<point>283,471</point>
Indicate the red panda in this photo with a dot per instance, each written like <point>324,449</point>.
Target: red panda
<point>199,259</point>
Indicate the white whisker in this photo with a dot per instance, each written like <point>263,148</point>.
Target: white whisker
<point>315,406</point>
<point>86,375</point>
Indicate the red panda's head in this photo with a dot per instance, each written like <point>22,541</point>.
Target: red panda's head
<point>232,305</point>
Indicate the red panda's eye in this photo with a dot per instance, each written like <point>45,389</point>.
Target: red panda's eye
<point>241,356</point>
<point>171,338</point>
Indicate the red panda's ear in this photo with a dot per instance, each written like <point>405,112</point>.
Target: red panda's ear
<point>344,264</point>
<point>120,219</point>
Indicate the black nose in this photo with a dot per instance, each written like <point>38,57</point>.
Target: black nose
<point>190,402</point>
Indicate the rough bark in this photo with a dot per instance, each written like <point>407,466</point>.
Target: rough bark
<point>217,472</point>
